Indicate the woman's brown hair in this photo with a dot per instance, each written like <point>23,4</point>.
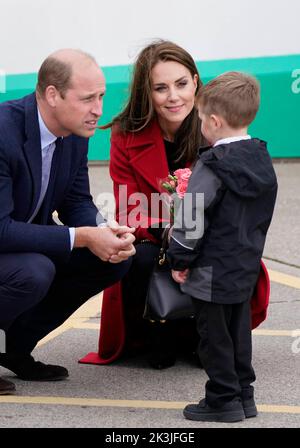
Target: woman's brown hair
<point>139,111</point>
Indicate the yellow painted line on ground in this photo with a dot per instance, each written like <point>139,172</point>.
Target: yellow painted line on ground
<point>89,326</point>
<point>292,333</point>
<point>284,279</point>
<point>96,402</point>
<point>139,404</point>
<point>278,409</point>
<point>66,326</point>
<point>92,308</point>
<point>89,309</point>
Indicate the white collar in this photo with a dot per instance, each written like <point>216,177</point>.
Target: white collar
<point>46,136</point>
<point>227,140</point>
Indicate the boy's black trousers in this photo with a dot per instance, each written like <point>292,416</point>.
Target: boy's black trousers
<point>225,350</point>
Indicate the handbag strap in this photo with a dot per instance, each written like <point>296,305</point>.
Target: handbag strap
<point>162,257</point>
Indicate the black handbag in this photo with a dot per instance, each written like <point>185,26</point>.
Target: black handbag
<point>164,300</point>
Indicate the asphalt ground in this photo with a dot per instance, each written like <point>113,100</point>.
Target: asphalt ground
<point>128,394</point>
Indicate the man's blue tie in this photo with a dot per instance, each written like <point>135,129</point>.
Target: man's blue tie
<point>47,155</point>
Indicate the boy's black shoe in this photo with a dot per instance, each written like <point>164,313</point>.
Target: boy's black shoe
<point>230,412</point>
<point>250,408</point>
<point>26,368</point>
<point>6,387</point>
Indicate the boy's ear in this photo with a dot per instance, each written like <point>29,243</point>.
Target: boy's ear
<point>216,121</point>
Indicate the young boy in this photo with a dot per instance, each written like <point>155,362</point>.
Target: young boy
<point>219,267</point>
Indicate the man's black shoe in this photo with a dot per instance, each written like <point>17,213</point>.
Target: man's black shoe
<point>26,368</point>
<point>6,387</point>
<point>230,412</point>
<point>250,408</point>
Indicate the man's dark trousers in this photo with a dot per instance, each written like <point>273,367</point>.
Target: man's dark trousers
<point>37,294</point>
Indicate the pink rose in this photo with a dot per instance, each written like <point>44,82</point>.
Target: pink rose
<point>181,188</point>
<point>183,174</point>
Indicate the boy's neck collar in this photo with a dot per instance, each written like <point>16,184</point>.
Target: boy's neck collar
<point>227,140</point>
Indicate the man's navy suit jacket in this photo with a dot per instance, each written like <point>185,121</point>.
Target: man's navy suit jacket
<point>20,183</point>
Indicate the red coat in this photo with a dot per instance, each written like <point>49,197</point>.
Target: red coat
<point>139,161</point>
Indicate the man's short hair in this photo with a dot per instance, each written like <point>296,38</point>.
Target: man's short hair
<point>235,96</point>
<point>54,72</point>
<point>58,73</point>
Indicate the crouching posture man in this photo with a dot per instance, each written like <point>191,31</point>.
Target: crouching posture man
<point>47,271</point>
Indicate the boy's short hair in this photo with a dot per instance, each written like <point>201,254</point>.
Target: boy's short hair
<point>235,96</point>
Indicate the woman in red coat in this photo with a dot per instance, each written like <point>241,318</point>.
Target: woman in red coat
<point>157,133</point>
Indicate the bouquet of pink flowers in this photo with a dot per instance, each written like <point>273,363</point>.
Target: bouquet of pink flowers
<point>176,186</point>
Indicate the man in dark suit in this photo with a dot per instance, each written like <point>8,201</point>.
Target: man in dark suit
<point>47,271</point>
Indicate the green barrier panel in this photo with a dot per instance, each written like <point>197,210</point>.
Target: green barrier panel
<point>277,121</point>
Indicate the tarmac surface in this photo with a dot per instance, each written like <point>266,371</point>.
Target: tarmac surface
<point>129,394</point>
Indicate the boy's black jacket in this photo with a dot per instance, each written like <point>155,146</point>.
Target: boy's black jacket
<point>239,185</point>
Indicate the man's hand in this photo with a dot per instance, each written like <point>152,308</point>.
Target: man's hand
<point>124,233</point>
<point>180,276</point>
<point>106,242</point>
<point>127,251</point>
